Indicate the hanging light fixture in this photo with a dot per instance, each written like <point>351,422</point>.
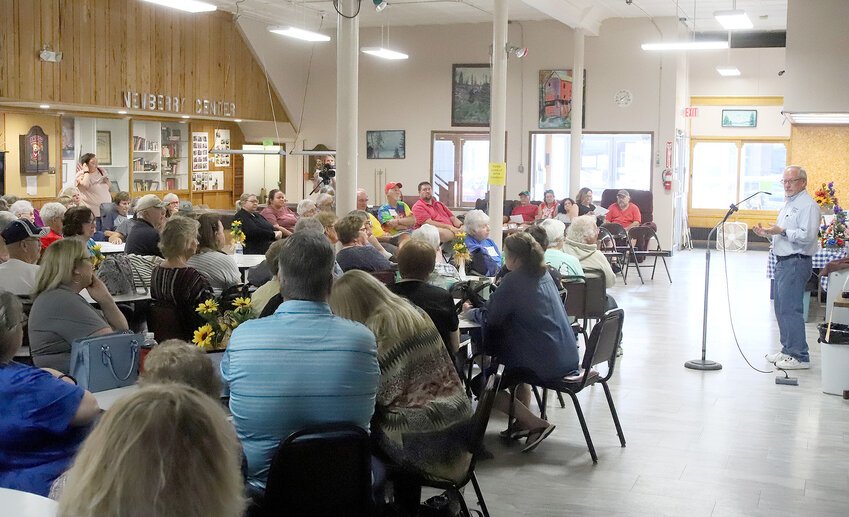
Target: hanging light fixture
<point>691,44</point>
<point>190,6</point>
<point>384,52</point>
<point>298,33</point>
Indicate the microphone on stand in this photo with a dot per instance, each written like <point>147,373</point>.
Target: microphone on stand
<point>704,363</point>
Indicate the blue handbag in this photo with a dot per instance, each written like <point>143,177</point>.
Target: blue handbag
<point>106,362</point>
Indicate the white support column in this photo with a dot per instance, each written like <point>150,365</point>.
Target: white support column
<point>347,78</point>
<point>498,116</point>
<point>577,113</point>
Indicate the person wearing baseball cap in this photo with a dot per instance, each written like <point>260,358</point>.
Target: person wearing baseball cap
<point>144,233</point>
<point>23,242</point>
<point>525,208</point>
<point>623,211</point>
<point>395,215</point>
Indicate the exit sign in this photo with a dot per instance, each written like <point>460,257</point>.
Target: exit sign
<point>691,112</point>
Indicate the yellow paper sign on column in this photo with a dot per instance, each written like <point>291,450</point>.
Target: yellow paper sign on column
<point>497,173</point>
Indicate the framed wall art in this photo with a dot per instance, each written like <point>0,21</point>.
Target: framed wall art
<point>739,118</point>
<point>103,147</point>
<point>555,99</point>
<point>386,145</point>
<point>470,94</point>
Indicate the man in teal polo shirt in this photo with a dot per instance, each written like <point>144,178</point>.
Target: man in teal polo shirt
<point>302,365</point>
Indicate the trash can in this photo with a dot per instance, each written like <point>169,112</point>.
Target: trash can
<point>835,358</point>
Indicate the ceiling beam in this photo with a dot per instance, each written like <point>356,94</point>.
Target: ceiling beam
<point>578,14</point>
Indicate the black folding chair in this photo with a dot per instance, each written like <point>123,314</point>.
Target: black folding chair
<point>321,471</point>
<point>614,255</point>
<point>585,301</point>
<point>646,234</point>
<point>623,244</point>
<point>601,348</point>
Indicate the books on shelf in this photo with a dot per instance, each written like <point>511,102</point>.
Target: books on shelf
<point>140,143</point>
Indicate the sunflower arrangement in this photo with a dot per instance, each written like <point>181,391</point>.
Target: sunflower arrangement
<point>236,232</point>
<point>461,251</point>
<point>96,255</point>
<point>220,322</point>
<point>826,195</point>
<point>833,234</point>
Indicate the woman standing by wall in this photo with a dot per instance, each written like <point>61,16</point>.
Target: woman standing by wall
<point>93,182</point>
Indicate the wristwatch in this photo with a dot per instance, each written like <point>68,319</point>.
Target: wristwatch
<point>784,232</point>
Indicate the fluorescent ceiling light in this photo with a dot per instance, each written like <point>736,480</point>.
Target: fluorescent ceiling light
<point>191,6</point>
<point>122,112</point>
<point>294,32</point>
<point>686,45</point>
<point>819,118</point>
<point>385,53</point>
<point>728,71</point>
<point>44,106</point>
<point>237,120</point>
<point>733,19</point>
<point>185,116</point>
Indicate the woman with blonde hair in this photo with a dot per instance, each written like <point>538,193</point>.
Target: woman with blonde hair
<point>173,283</point>
<point>259,234</point>
<point>162,451</point>
<point>69,196</point>
<point>177,362</point>
<point>422,410</point>
<point>218,267</point>
<point>59,314</point>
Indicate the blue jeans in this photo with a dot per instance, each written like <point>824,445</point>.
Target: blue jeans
<point>791,275</point>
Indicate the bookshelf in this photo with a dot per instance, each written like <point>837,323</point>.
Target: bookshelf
<point>146,144</point>
<point>174,156</point>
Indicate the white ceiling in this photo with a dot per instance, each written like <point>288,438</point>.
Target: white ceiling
<point>765,14</point>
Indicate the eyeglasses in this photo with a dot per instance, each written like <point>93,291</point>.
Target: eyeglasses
<point>364,229</point>
<point>785,182</point>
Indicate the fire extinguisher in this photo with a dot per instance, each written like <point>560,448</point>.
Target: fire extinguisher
<point>667,179</point>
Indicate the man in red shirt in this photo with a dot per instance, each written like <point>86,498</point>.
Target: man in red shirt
<point>623,211</point>
<point>432,212</point>
<point>526,209</point>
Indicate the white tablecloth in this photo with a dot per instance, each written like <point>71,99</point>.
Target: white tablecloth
<point>107,247</point>
<point>822,257</point>
<point>246,261</point>
<point>23,504</point>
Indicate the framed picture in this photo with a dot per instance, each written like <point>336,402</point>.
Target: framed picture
<point>386,145</point>
<point>739,118</point>
<point>67,138</point>
<point>34,151</point>
<point>470,92</point>
<point>555,99</point>
<point>103,148</point>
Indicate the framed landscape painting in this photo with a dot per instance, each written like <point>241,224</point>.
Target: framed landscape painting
<point>386,145</point>
<point>470,93</point>
<point>739,118</point>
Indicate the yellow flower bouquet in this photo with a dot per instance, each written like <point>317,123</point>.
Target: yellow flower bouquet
<point>96,255</point>
<point>220,322</point>
<point>236,232</point>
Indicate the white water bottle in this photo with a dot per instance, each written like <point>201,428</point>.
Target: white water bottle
<point>239,249</point>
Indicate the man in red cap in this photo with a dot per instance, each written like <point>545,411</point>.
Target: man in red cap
<point>395,215</point>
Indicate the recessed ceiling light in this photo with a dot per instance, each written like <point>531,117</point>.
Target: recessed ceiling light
<point>728,71</point>
<point>191,6</point>
<point>185,116</point>
<point>733,19</point>
<point>122,112</point>
<point>686,45</point>
<point>44,106</point>
<point>302,34</point>
<point>237,120</point>
<point>384,53</point>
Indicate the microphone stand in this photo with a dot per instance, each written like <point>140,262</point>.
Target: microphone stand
<point>704,364</point>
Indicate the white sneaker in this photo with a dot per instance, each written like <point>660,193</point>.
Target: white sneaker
<point>791,363</point>
<point>778,356</point>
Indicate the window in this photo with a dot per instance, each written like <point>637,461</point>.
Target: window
<point>608,160</point>
<point>726,171</point>
<point>460,167</point>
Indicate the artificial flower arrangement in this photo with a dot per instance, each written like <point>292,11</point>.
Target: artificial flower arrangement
<point>236,232</point>
<point>220,323</point>
<point>833,234</point>
<point>96,255</point>
<point>826,196</point>
<point>461,251</point>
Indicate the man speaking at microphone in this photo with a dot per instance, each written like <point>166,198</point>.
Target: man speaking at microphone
<point>794,241</point>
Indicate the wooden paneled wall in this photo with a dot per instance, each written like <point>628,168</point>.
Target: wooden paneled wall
<point>824,153</point>
<point>112,46</point>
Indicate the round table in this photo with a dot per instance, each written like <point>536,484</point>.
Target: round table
<point>24,504</point>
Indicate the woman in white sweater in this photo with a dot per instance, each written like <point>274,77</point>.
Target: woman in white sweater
<point>218,267</point>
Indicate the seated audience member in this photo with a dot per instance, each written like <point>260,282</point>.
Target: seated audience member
<point>429,211</point>
<point>162,451</point>
<point>324,202</point>
<point>526,327</point>
<point>59,315</point>
<point>306,208</point>
<point>525,208</point>
<point>172,203</point>
<point>4,206</point>
<point>415,424</point>
<point>22,209</point>
<point>6,218</point>
<point>567,265</point>
<point>372,240</point>
<point>278,214</point>
<point>79,222</point>
<point>395,216</point>
<point>143,238</point>
<point>376,229</point>
<point>23,244</point>
<point>585,202</point>
<point>581,242</point>
<point>355,254</point>
<point>539,235</point>
<point>219,268</point>
<point>548,207</point>
<point>444,274</point>
<point>178,362</point>
<point>623,211</point>
<point>259,234</point>
<point>73,195</point>
<point>44,413</point>
<point>269,289</point>
<point>173,283</point>
<point>108,223</point>
<point>328,220</point>
<point>415,263</point>
<point>567,210</point>
<point>52,214</point>
<point>9,198</point>
<point>486,257</point>
<point>300,366</point>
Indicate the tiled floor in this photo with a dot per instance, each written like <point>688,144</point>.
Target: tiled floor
<point>721,443</point>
